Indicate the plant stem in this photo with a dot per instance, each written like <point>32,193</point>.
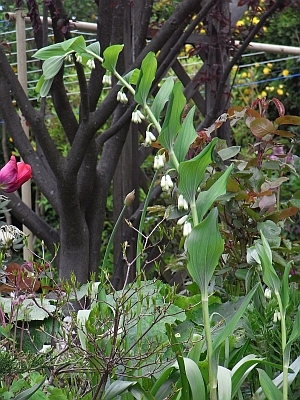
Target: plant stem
<point>194,212</point>
<point>285,357</point>
<point>111,238</point>
<point>174,159</point>
<point>206,321</point>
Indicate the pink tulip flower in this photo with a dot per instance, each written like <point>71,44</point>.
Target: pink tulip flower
<point>14,174</point>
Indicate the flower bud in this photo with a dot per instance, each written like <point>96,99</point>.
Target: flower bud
<point>182,203</point>
<point>182,220</point>
<point>159,161</point>
<point>268,293</point>
<point>187,228</point>
<point>149,138</point>
<point>166,183</point>
<point>129,199</point>
<point>106,80</point>
<point>137,117</point>
<point>90,64</point>
<point>79,59</point>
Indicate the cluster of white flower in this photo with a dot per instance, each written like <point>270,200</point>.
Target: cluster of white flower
<point>187,229</point>
<point>150,137</point>
<point>182,203</point>
<point>159,161</point>
<point>8,233</point>
<point>137,117</point>
<point>90,64</point>
<point>106,80</point>
<point>166,183</point>
<point>121,97</point>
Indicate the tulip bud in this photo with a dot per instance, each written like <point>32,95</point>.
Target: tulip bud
<point>129,199</point>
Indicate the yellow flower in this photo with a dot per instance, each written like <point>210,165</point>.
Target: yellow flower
<point>235,67</point>
<point>271,88</point>
<point>280,86</point>
<point>255,20</point>
<point>240,23</point>
<point>10,139</point>
<point>265,28</point>
<point>285,72</point>
<point>266,70</point>
<point>256,64</point>
<point>244,74</point>
<point>270,65</point>
<point>280,92</point>
<point>264,94</point>
<point>246,91</point>
<point>203,31</point>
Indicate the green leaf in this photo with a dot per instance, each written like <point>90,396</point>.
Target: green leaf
<point>111,55</point>
<point>162,97</point>
<point>241,370</point>
<point>29,392</point>
<point>131,77</point>
<point>269,274</point>
<point>296,329</point>
<point>50,51</point>
<point>77,44</point>
<point>284,293</point>
<point>202,260</point>
<point>270,390</point>
<point>146,77</point>
<point>206,198</point>
<point>139,393</point>
<point>164,377</point>
<point>117,388</point>
<point>29,311</point>
<point>186,136</point>
<point>172,122</point>
<point>229,327</point>
<point>224,383</point>
<point>52,66</point>
<point>195,379</point>
<point>45,88</point>
<point>229,152</point>
<point>191,172</point>
<point>94,47</point>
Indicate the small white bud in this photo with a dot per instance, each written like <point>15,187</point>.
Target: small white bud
<point>159,161</point>
<point>90,64</point>
<point>187,228</point>
<point>124,98</point>
<point>182,203</point>
<point>78,59</point>
<point>119,94</point>
<point>277,316</point>
<point>149,139</point>
<point>182,220</point>
<point>166,183</point>
<point>163,183</point>
<point>268,293</point>
<point>169,182</point>
<point>106,80</point>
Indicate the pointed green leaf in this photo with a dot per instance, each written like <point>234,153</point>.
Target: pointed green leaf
<point>269,274</point>
<point>203,259</point>
<point>172,122</point>
<point>95,48</point>
<point>224,383</point>
<point>195,379</point>
<point>186,136</point>
<point>241,370</point>
<point>45,88</point>
<point>162,97</point>
<point>164,376</point>
<point>117,388</point>
<point>191,172</point>
<point>27,394</point>
<point>77,44</point>
<point>52,66</point>
<point>50,51</point>
<point>111,55</point>
<point>167,386</point>
<point>268,387</point>
<point>296,329</point>
<point>131,77</point>
<point>146,77</point>
<point>139,393</point>
<point>229,327</point>
<point>206,198</point>
<point>229,152</point>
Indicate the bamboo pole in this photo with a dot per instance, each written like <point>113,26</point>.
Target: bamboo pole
<point>22,77</point>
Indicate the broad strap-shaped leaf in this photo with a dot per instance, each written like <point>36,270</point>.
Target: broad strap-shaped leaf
<point>45,87</point>
<point>242,369</point>
<point>224,383</point>
<point>195,379</point>
<point>191,172</point>
<point>28,393</point>
<point>172,122</point>
<point>131,77</point>
<point>204,247</point>
<point>162,97</point>
<point>95,48</point>
<point>76,44</point>
<point>146,77</point>
<point>111,55</point>
<point>52,66</point>
<point>270,276</point>
<point>186,136</point>
<point>229,327</point>
<point>268,387</point>
<point>117,388</point>
<point>206,198</point>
